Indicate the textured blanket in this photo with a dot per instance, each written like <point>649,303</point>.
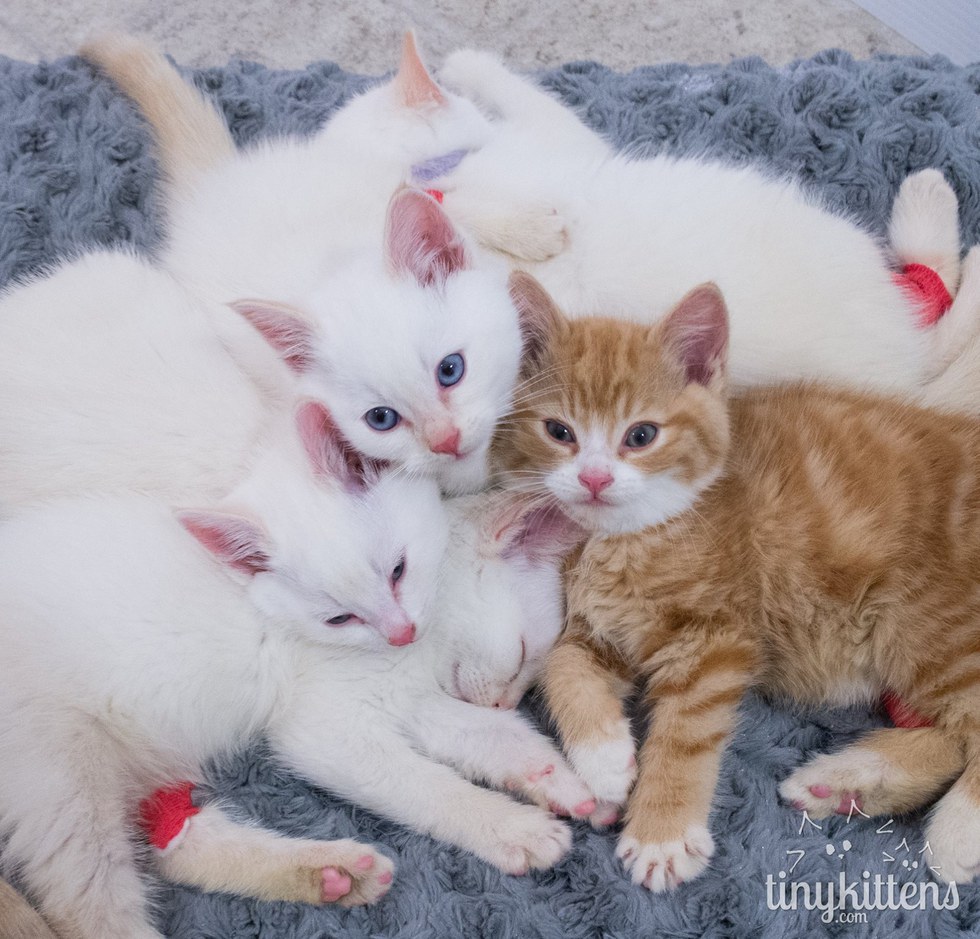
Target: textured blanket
<point>77,170</point>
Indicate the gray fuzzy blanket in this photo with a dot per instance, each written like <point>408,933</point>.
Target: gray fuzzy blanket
<point>77,170</point>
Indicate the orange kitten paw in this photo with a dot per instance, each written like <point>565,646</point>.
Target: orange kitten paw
<point>953,834</point>
<point>525,838</point>
<point>665,865</point>
<point>842,783</point>
<point>607,768</point>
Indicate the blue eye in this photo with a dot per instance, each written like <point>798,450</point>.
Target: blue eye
<point>340,620</point>
<point>640,435</point>
<point>382,418</point>
<point>399,572</point>
<point>451,369</point>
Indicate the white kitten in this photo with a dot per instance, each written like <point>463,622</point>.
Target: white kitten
<point>413,346</point>
<point>811,295</point>
<point>132,656</point>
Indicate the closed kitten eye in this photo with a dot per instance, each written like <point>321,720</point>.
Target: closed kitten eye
<point>640,435</point>
<point>341,619</point>
<point>382,418</point>
<point>559,431</point>
<point>451,369</point>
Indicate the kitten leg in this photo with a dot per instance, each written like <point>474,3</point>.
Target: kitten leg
<point>695,701</point>
<point>887,772</point>
<point>500,747</point>
<point>585,691</point>
<point>378,768</point>
<point>483,78</point>
<point>924,227</point>
<point>218,853</point>
<point>64,809</point>
<point>20,920</point>
<point>953,831</point>
<point>957,386</point>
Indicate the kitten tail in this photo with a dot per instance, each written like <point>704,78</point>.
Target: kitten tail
<point>191,135</point>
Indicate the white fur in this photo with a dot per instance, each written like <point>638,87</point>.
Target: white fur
<point>953,834</point>
<point>664,866</point>
<point>810,293</point>
<point>608,767</point>
<point>132,657</point>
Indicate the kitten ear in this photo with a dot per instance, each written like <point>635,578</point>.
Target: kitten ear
<point>284,328</point>
<point>696,330</point>
<point>420,240</point>
<point>329,453</point>
<point>538,314</point>
<point>234,540</point>
<point>539,532</point>
<point>413,85</point>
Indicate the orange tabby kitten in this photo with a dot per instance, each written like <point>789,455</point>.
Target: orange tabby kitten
<point>822,545</point>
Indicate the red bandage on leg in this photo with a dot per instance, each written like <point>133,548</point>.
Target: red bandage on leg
<point>901,714</point>
<point>926,290</point>
<point>165,813</point>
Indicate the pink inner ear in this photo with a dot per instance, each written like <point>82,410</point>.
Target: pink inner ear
<point>538,314</point>
<point>284,328</point>
<point>330,454</point>
<point>543,533</point>
<point>420,240</point>
<point>413,84</point>
<point>234,540</point>
<point>697,328</point>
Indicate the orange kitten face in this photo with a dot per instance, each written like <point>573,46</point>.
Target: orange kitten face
<point>624,425</point>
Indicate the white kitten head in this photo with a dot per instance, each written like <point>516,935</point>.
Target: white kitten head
<point>331,548</point>
<point>415,352</point>
<point>500,606</point>
<point>411,120</point>
<point>623,424</point>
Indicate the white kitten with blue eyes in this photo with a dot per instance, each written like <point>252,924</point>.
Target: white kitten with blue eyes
<point>414,346</point>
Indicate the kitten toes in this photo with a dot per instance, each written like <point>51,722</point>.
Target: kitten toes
<point>472,74</point>
<point>558,789</point>
<point>344,872</point>
<point>953,834</point>
<point>844,783</point>
<point>607,768</point>
<point>661,866</point>
<point>526,838</point>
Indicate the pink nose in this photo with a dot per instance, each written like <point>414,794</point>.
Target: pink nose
<point>448,444</point>
<point>403,636</point>
<point>595,481</point>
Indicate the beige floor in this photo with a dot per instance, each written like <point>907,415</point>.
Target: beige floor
<point>362,35</point>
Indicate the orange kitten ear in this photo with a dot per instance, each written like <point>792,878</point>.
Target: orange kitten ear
<point>539,317</point>
<point>414,86</point>
<point>697,331</point>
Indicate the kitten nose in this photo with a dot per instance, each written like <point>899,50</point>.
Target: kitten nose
<point>448,444</point>
<point>595,481</point>
<point>403,636</point>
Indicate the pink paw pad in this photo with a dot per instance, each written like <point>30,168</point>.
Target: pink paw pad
<point>850,802</point>
<point>538,776</point>
<point>584,808</point>
<point>610,817</point>
<point>334,885</point>
<point>821,791</point>
<point>384,878</point>
<point>364,863</point>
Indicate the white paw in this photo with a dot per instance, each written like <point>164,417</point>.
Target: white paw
<point>344,872</point>
<point>953,834</point>
<point>661,866</point>
<point>525,838</point>
<point>608,768</point>
<point>557,788</point>
<point>536,233</point>
<point>840,783</point>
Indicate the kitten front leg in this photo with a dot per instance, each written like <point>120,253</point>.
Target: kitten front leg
<point>695,702</point>
<point>216,852</point>
<point>886,772</point>
<point>953,832</point>
<point>585,688</point>
<point>500,747</point>
<point>378,768</point>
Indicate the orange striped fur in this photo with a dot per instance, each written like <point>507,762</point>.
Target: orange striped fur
<point>831,551</point>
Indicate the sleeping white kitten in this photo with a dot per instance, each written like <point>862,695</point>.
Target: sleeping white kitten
<point>139,643</point>
<point>810,294</point>
<point>413,345</point>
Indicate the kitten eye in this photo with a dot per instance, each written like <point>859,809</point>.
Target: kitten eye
<point>340,620</point>
<point>559,431</point>
<point>451,370</point>
<point>640,435</point>
<point>382,418</point>
<point>399,572</point>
